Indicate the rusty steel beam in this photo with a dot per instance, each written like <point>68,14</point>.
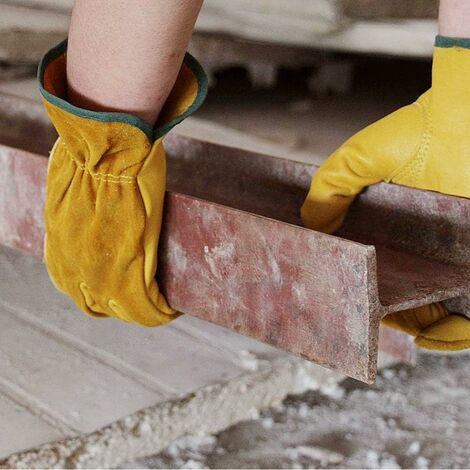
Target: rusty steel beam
<point>421,238</point>
<point>233,250</point>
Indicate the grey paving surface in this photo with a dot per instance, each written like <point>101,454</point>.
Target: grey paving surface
<point>64,374</point>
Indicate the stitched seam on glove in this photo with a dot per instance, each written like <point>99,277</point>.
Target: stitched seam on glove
<point>108,154</point>
<point>413,168</point>
<point>123,179</point>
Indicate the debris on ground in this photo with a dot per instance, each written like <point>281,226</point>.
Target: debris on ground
<point>412,418</point>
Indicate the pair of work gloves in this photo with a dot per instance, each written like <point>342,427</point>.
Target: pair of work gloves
<point>106,185</point>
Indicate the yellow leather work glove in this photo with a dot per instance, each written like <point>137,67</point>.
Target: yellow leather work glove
<point>105,191</point>
<point>423,145</point>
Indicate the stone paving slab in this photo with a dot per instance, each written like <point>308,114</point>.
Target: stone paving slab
<point>77,391</point>
<point>152,357</point>
<point>20,427</point>
<point>70,374</point>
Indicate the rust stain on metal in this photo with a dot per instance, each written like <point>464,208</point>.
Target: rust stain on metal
<point>262,278</point>
<point>22,191</point>
<point>233,251</point>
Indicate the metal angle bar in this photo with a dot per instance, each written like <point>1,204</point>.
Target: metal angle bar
<point>239,270</point>
<point>233,251</point>
<point>422,239</point>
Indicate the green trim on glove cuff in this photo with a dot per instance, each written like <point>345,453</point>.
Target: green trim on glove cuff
<point>152,133</point>
<point>447,42</point>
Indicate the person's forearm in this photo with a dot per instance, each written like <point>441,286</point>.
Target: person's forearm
<point>125,56</point>
<point>454,18</point>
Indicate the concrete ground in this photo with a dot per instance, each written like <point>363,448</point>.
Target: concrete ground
<point>412,418</point>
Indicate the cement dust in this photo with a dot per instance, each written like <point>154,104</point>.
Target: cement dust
<point>412,418</point>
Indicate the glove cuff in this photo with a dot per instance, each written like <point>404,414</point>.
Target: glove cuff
<point>186,97</point>
<point>448,42</point>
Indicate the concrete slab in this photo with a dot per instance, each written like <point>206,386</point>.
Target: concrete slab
<point>148,431</point>
<point>169,360</point>
<point>72,374</point>
<point>78,391</point>
<point>24,429</point>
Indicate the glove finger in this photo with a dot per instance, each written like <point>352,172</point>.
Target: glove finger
<point>89,304</point>
<point>141,311</point>
<point>119,312</point>
<point>451,333</point>
<point>370,156</point>
<point>414,320</point>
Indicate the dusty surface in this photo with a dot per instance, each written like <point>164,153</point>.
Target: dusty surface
<point>412,418</point>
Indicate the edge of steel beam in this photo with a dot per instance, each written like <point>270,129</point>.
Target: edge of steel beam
<point>422,238</point>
